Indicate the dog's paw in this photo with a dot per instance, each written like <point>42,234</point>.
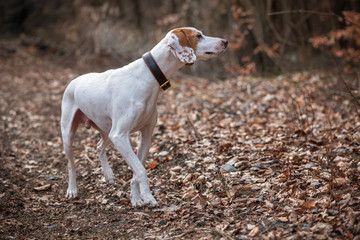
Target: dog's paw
<point>136,202</point>
<point>110,180</point>
<point>109,176</point>
<point>145,200</point>
<point>71,193</point>
<point>149,200</point>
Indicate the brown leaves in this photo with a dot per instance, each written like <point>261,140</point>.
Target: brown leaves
<point>276,159</point>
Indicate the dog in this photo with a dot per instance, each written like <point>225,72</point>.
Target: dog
<point>121,101</point>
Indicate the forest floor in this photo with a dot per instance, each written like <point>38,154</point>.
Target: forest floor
<point>244,158</point>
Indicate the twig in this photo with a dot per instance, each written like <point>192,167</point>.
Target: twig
<point>223,234</point>
<point>314,12</point>
<point>312,109</point>
<point>225,186</point>
<point>345,83</point>
<point>329,138</point>
<point>197,134</point>
<point>299,114</point>
<point>182,234</point>
<point>288,113</point>
<point>214,230</point>
<point>328,153</point>
<point>276,33</point>
<point>201,230</point>
<point>89,160</point>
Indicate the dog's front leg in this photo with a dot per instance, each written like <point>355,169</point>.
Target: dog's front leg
<point>146,134</point>
<point>143,149</point>
<point>122,144</point>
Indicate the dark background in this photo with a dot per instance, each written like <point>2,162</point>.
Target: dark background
<point>99,34</point>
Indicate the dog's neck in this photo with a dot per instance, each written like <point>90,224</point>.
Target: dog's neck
<point>167,62</point>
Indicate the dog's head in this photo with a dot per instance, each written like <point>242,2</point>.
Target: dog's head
<point>188,44</point>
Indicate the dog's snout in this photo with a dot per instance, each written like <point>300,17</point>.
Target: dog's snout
<point>224,42</point>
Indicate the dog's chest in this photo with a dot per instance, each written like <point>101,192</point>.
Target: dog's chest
<point>142,113</point>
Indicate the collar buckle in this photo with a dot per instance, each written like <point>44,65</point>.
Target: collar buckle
<point>156,71</point>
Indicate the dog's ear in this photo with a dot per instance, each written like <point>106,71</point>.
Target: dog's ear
<point>185,54</point>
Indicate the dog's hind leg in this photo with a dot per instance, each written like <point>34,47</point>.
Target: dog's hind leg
<point>107,171</point>
<point>70,119</point>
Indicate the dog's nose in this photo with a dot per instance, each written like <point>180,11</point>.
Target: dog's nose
<point>225,42</point>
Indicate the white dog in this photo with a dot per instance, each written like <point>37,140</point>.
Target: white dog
<point>121,101</point>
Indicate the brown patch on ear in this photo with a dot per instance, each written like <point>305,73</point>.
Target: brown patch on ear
<point>187,38</point>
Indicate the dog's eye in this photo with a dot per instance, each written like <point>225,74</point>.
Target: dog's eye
<point>199,36</point>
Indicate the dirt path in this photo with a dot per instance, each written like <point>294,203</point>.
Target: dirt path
<point>272,159</point>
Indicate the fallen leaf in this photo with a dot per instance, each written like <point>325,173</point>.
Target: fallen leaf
<point>43,188</point>
<point>309,204</point>
<point>254,232</point>
<point>250,226</point>
<point>283,178</point>
<point>189,195</point>
<point>228,194</point>
<point>341,180</point>
<point>152,165</point>
<point>283,219</point>
<point>172,208</point>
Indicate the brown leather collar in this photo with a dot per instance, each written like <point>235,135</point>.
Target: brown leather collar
<point>156,71</point>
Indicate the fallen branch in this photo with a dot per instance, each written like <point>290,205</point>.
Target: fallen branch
<point>197,134</point>
<point>341,18</point>
<point>207,230</point>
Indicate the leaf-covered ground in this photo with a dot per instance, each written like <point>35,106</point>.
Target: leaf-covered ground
<point>237,159</point>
